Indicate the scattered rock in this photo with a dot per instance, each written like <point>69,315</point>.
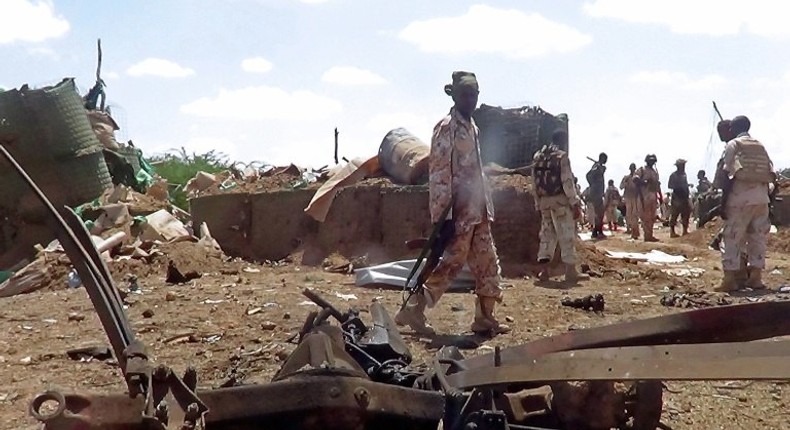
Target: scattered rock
<point>148,313</point>
<point>170,296</point>
<point>595,303</point>
<point>268,325</point>
<point>509,319</point>
<point>174,276</point>
<point>457,308</point>
<point>74,316</point>
<point>286,316</point>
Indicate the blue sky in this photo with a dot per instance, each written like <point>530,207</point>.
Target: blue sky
<point>268,80</point>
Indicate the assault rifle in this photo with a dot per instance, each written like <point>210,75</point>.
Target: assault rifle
<point>432,250</point>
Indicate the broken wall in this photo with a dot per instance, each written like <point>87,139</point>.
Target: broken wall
<point>364,220</point>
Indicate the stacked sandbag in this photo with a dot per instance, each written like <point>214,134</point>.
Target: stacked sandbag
<point>55,143</point>
<point>510,137</point>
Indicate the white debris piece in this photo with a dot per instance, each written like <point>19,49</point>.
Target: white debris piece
<point>655,257</point>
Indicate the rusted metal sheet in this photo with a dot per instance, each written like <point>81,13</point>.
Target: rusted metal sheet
<point>766,360</point>
<point>735,323</point>
<point>305,399</point>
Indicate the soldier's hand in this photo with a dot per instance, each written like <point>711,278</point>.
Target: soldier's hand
<point>577,211</point>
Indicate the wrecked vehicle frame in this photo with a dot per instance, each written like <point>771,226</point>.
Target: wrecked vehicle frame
<point>353,376</point>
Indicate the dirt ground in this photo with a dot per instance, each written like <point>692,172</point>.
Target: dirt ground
<point>236,318</point>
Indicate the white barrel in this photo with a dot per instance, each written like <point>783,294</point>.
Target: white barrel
<point>404,157</point>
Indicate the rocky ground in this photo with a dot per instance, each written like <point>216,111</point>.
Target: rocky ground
<point>235,321</point>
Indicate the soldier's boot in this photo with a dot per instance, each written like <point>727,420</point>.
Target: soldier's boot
<point>672,232</point>
<point>543,274</point>
<point>755,280</point>
<point>573,276</point>
<point>728,283</point>
<point>484,322</point>
<point>413,315</point>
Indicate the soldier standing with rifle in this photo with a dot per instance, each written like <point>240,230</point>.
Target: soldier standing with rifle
<point>633,201</point>
<point>650,190</point>
<point>595,179</point>
<point>747,171</point>
<point>559,206</point>
<point>456,181</point>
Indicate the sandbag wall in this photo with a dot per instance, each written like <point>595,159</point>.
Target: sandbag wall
<point>364,220</point>
<point>510,137</point>
<point>52,139</point>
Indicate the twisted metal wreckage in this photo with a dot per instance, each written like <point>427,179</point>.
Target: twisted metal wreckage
<point>358,376</point>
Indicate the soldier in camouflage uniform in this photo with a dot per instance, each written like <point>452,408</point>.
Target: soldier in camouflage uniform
<point>559,205</point>
<point>633,202</point>
<point>650,189</point>
<point>612,201</point>
<point>456,178</point>
<point>746,214</point>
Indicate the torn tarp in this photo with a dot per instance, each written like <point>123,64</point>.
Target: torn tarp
<point>393,276</point>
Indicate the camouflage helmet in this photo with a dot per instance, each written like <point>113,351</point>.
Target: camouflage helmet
<point>651,157</point>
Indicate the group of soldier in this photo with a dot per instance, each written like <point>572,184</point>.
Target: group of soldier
<point>459,197</point>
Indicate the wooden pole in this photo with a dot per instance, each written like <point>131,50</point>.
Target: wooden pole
<point>336,135</point>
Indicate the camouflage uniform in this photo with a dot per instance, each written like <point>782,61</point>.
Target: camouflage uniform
<point>633,204</point>
<point>612,201</point>
<point>456,175</point>
<point>747,224</point>
<point>555,198</point>
<point>650,191</point>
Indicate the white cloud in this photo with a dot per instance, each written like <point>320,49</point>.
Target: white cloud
<point>264,102</point>
<point>313,1</point>
<point>29,21</point>
<point>679,80</point>
<point>160,68</point>
<point>111,75</point>
<point>256,65</point>
<point>484,29</point>
<point>44,52</point>
<point>710,17</point>
<point>348,75</point>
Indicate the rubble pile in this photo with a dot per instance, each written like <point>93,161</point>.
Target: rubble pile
<point>124,225</point>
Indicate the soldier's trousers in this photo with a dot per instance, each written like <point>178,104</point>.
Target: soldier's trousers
<point>556,227</point>
<point>611,214</point>
<point>633,209</point>
<point>649,207</point>
<point>600,210</point>
<point>680,207</point>
<point>745,231</point>
<point>472,245</point>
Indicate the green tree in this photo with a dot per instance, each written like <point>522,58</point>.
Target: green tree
<point>179,166</point>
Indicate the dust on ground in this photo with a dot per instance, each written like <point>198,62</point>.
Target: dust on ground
<point>217,322</point>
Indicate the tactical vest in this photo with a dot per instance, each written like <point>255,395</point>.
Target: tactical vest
<point>751,161</point>
<point>546,172</point>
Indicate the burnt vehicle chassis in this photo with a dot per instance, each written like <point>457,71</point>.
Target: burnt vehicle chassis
<point>353,375</point>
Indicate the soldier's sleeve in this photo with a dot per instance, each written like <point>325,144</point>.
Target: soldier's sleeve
<point>623,182</point>
<point>568,186</point>
<point>671,183</point>
<point>440,184</point>
<point>729,157</point>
